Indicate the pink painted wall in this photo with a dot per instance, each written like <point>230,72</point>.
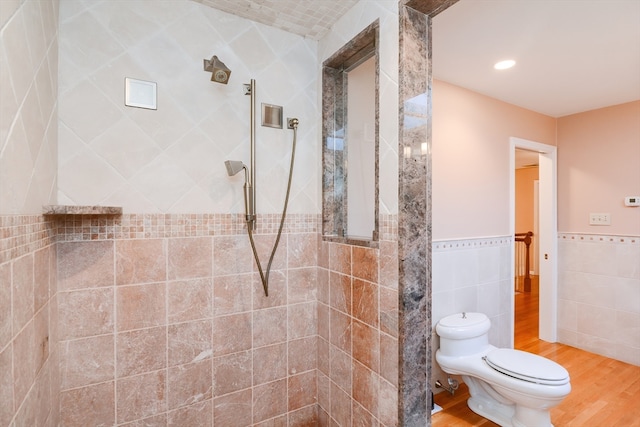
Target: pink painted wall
<point>598,165</point>
<point>471,160</point>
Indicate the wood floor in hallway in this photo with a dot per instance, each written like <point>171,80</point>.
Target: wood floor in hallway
<point>605,392</point>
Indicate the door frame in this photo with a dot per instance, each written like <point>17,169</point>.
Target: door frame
<point>548,235</point>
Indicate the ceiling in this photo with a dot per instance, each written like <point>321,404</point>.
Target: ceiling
<point>308,18</point>
<point>571,56</point>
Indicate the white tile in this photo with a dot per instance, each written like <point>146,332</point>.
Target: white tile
<point>36,40</point>
<point>86,43</point>
<point>603,346</point>
<point>628,260</point>
<point>627,294</point>
<point>15,41</point>
<point>8,104</point>
<point>596,321</point>
<point>628,354</point>
<point>16,166</point>
<point>567,315</point>
<point>627,329</point>
<point>465,299</point>
<point>162,181</point>
<point>87,111</point>
<point>489,299</point>
<point>125,147</point>
<point>87,179</point>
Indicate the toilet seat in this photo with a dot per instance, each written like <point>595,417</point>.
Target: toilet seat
<point>527,366</point>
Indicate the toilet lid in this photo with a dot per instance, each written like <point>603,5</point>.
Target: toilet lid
<point>527,366</point>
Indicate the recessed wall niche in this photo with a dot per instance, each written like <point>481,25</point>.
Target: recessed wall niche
<point>350,117</point>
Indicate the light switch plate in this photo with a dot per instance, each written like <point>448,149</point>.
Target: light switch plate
<point>599,219</point>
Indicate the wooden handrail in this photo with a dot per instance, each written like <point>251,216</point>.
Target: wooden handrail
<point>526,238</point>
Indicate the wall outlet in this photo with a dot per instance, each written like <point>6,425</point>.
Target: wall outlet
<point>599,219</point>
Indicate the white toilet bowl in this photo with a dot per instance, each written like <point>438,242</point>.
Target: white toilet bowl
<point>510,387</point>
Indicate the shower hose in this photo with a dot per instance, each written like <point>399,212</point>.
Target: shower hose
<point>264,274</point>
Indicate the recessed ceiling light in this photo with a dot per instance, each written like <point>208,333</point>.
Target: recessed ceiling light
<point>503,65</point>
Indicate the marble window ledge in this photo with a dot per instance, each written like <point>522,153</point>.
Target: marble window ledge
<point>81,210</point>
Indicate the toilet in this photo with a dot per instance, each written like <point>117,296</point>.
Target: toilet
<point>509,387</point>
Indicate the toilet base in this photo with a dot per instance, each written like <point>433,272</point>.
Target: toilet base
<point>491,410</point>
<point>488,403</point>
<point>509,415</point>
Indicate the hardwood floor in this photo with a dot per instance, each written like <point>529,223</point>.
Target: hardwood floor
<point>605,392</point>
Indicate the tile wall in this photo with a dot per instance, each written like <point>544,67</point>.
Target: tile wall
<point>28,105</point>
<point>358,334</point>
<point>171,160</point>
<point>165,323</point>
<point>599,294</point>
<point>28,322</point>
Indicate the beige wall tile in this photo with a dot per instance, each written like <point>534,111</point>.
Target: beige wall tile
<point>366,345</point>
<point>340,406</point>
<point>189,342</point>
<point>22,291</point>
<point>189,384</point>
<point>198,414</point>
<point>307,416</point>
<point>302,355</point>
<point>87,361</point>
<point>141,396</point>
<point>85,265</point>
<point>302,285</point>
<point>95,403</point>
<point>6,317</point>
<point>86,313</point>
<point>302,250</point>
<point>231,334</point>
<point>231,255</point>
<point>365,387</point>
<point>190,258</point>
<point>6,386</point>
<point>233,410</point>
<point>269,400</point>
<point>140,306</point>
<point>303,320</point>
<point>340,292</point>
<point>302,390</point>
<point>232,294</point>
<point>232,372</point>
<point>340,258</point>
<point>141,351</point>
<point>269,326</point>
<point>365,263</point>
<point>41,280</point>
<point>190,300</point>
<point>140,261</point>
<point>269,363</point>
<point>365,302</point>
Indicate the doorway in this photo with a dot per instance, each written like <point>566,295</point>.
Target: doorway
<point>547,235</point>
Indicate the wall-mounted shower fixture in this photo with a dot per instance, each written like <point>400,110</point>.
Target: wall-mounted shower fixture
<point>235,166</point>
<point>220,73</point>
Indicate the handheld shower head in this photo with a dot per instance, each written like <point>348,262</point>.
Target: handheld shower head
<point>220,73</point>
<point>234,166</point>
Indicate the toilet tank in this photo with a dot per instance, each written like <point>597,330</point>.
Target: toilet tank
<point>463,334</point>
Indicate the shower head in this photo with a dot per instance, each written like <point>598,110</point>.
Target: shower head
<point>219,72</point>
<point>234,166</point>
